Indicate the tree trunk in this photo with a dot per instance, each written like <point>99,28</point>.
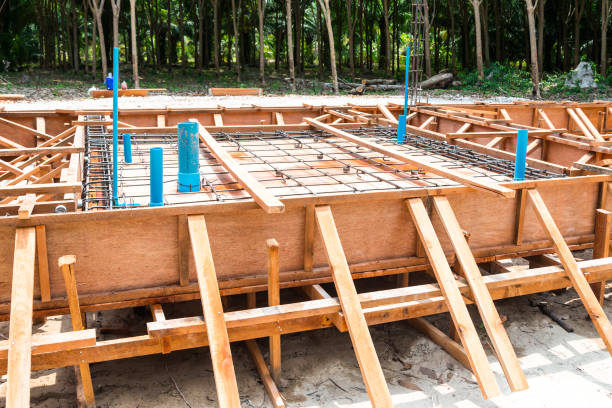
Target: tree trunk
<point>290,46</point>
<point>182,36</point>
<point>236,37</point>
<point>541,21</point>
<point>116,6</point>
<point>261,10</point>
<point>485,31</point>
<point>535,77</point>
<point>85,35</point>
<point>97,9</point>
<point>578,10</point>
<point>426,42</point>
<point>215,4</point>
<point>134,45</point>
<point>499,55</point>
<point>387,39</point>
<point>75,37</point>
<point>351,36</point>
<point>330,33</point>
<point>200,33</point>
<point>479,64</point>
<point>606,9</point>
<point>451,12</point>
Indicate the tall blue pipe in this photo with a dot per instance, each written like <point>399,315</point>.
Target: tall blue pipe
<point>115,119</point>
<point>521,155</point>
<point>156,158</point>
<point>127,148</point>
<point>401,126</point>
<point>188,157</point>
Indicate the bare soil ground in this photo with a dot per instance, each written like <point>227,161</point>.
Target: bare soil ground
<point>319,368</point>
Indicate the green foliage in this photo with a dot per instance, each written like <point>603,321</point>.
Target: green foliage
<point>497,77</point>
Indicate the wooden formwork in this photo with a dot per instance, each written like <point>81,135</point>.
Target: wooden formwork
<point>264,222</point>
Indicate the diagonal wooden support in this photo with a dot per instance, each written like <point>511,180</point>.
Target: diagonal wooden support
<point>579,282</point>
<point>456,306</point>
<point>436,335</point>
<point>492,322</point>
<point>20,328</point>
<point>66,265</point>
<point>347,294</point>
<point>264,374</point>
<point>216,330</point>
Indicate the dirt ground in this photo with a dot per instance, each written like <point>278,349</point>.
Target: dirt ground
<point>319,368</point>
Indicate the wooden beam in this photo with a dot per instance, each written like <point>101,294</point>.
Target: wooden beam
<point>66,265</point>
<point>387,113</point>
<point>317,292</point>
<point>10,144</point>
<point>309,236</point>
<point>183,250</point>
<point>157,312</point>
<point>32,151</point>
<point>279,118</point>
<point>10,167</point>
<point>519,218</point>
<point>218,119</point>
<point>53,188</point>
<point>20,328</point>
<point>601,247</point>
<point>431,167</point>
<point>481,296</point>
<point>161,120</point>
<point>52,342</point>
<point>357,326</point>
<point>216,330</point>
<point>454,301</point>
<point>591,303</point>
<point>437,336</point>
<point>264,374</point>
<point>43,263</point>
<point>274,300</point>
<point>585,130</point>
<point>26,207</point>
<point>26,129</point>
<point>266,200</point>
<point>589,125</point>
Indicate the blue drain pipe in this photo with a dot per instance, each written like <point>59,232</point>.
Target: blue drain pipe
<point>127,148</point>
<point>401,126</point>
<point>115,119</point>
<point>188,158</point>
<point>521,155</point>
<point>156,158</point>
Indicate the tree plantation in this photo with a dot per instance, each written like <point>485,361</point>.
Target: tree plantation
<point>324,38</point>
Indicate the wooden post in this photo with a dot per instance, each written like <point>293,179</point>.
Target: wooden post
<point>437,336</point>
<point>601,248</point>
<point>183,250</point>
<point>347,295</point>
<point>43,263</point>
<point>590,302</point>
<point>456,306</point>
<point>492,322</point>
<point>264,374</point>
<point>309,233</point>
<point>20,328</point>
<point>216,330</point>
<point>66,265</point>
<point>274,300</point>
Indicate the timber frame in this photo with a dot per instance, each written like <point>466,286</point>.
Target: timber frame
<point>434,216</point>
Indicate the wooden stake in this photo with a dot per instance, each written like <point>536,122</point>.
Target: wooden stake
<point>492,322</point>
<point>347,294</point>
<point>43,263</point>
<point>20,328</point>
<point>454,300</point>
<point>216,330</point>
<point>309,234</point>
<point>274,300</point>
<point>591,304</point>
<point>601,248</point>
<point>66,265</point>
<point>437,336</point>
<point>264,374</point>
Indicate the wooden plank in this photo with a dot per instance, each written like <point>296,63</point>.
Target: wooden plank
<point>519,219</point>
<point>264,374</point>
<point>499,133</point>
<point>317,292</point>
<point>183,250</point>
<point>546,119</point>
<point>52,342</point>
<point>437,336</point>
<point>601,247</point>
<point>32,151</point>
<point>157,311</point>
<point>10,144</point>
<point>161,120</point>
<point>494,142</point>
<point>279,118</point>
<point>11,97</point>
<point>574,116</point>
<point>387,113</point>
<point>53,188</point>
<point>448,285</point>
<point>66,265</point>
<point>26,129</point>
<point>26,207</point>
<point>266,200</point>
<point>274,300</point>
<point>20,328</point>
<point>309,236</point>
<point>357,325</point>
<point>235,91</point>
<point>9,167</point>
<point>590,302</point>
<point>431,167</point>
<point>216,330</point>
<point>587,122</point>
<point>43,263</point>
<point>481,296</point>
<point>218,119</point>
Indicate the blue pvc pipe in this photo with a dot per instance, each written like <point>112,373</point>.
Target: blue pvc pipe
<point>188,157</point>
<point>115,119</point>
<point>127,148</point>
<point>156,158</point>
<point>521,155</point>
<point>401,126</point>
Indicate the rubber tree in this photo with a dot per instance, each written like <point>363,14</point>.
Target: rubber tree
<point>261,12</point>
<point>290,46</point>
<point>134,45</point>
<point>97,7</point>
<point>479,64</point>
<point>332,50</point>
<point>535,76</point>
